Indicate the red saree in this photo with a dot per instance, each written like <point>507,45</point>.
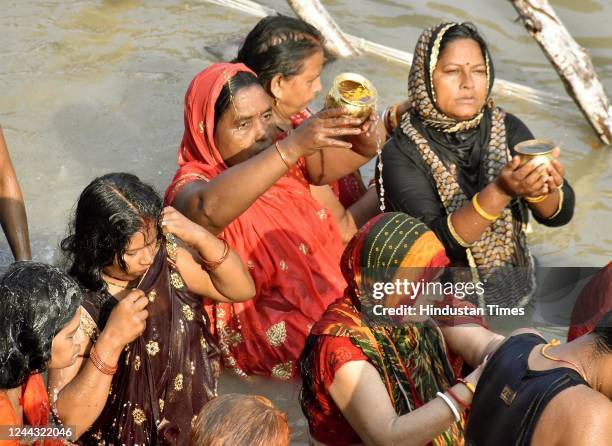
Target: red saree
<point>290,244</point>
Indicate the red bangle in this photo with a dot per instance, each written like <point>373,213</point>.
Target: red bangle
<point>99,364</point>
<point>210,266</point>
<point>459,400</point>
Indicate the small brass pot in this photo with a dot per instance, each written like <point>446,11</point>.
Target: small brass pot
<point>354,93</point>
<point>539,150</point>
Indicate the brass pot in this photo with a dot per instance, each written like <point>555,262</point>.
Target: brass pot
<point>354,93</point>
<point>539,150</point>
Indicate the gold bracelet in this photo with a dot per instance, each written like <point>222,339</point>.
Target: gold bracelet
<point>455,235</point>
<point>484,214</point>
<point>471,387</point>
<point>538,199</point>
<point>560,204</point>
<point>282,156</point>
<point>395,108</point>
<point>394,120</point>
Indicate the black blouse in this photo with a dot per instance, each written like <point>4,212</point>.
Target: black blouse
<point>410,188</point>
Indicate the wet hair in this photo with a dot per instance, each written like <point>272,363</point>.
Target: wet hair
<point>465,30</point>
<point>110,210</point>
<point>603,334</point>
<point>279,45</point>
<point>240,80</point>
<point>261,423</point>
<point>38,300</point>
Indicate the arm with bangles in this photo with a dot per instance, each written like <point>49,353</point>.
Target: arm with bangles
<point>207,264</point>
<point>83,388</point>
<point>216,203</point>
<point>362,397</point>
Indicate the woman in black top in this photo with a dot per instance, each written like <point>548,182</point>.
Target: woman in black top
<point>534,393</point>
<point>451,164</point>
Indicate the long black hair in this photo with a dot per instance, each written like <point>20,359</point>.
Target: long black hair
<point>38,300</point>
<point>110,210</point>
<point>279,45</point>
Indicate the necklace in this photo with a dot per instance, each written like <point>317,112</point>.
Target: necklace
<point>554,343</point>
<point>118,285</point>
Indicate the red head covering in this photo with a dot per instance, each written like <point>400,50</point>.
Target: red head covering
<point>290,243</point>
<point>198,154</point>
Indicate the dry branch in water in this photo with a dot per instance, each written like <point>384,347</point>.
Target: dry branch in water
<point>571,61</point>
<point>501,87</point>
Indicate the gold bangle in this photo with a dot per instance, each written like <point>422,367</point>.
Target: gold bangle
<point>560,204</point>
<point>282,156</point>
<point>395,108</point>
<point>538,199</point>
<point>471,387</point>
<point>484,214</point>
<point>393,112</point>
<point>455,235</point>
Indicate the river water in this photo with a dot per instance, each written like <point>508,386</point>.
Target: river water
<point>89,87</point>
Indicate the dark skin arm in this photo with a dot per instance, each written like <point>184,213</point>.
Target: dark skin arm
<point>12,210</point>
<point>218,202</point>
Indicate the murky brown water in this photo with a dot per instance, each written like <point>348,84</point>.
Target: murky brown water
<point>90,87</point>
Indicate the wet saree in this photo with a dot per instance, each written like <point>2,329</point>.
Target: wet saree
<point>166,375</point>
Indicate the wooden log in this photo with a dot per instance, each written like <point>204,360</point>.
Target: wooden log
<point>313,12</point>
<point>501,87</point>
<point>571,61</point>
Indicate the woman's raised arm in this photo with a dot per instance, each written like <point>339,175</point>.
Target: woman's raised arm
<point>208,266</point>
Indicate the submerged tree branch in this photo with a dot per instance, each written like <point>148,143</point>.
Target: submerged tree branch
<point>571,61</point>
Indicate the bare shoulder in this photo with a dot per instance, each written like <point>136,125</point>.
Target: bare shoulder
<point>581,416</point>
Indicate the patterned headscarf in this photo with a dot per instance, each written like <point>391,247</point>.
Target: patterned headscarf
<point>420,82</point>
<point>385,244</point>
<point>503,244</point>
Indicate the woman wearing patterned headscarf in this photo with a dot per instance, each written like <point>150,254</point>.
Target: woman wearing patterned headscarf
<point>388,382</point>
<point>452,164</point>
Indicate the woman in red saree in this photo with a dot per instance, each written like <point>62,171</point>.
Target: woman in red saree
<point>378,380</point>
<point>38,322</point>
<point>234,179</point>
